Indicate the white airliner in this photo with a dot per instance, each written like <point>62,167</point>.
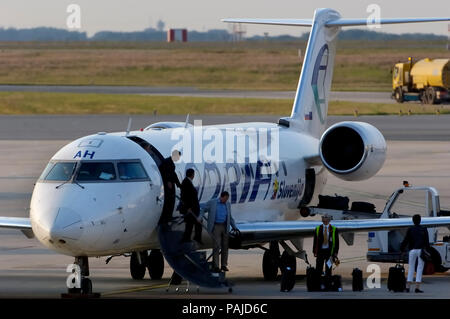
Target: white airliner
<point>102,195</point>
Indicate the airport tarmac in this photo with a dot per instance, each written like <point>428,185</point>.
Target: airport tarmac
<point>29,270</point>
<point>418,150</point>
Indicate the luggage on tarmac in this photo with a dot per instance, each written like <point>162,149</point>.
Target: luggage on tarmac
<point>357,280</point>
<point>363,207</point>
<point>333,202</point>
<point>313,279</point>
<point>333,283</point>
<point>397,279</point>
<point>287,279</point>
<point>336,283</point>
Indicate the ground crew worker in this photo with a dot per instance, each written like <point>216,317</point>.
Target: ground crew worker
<point>416,239</point>
<point>219,222</point>
<point>170,179</point>
<point>190,208</point>
<point>326,245</point>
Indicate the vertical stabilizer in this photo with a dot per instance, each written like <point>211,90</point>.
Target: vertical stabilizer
<point>309,112</point>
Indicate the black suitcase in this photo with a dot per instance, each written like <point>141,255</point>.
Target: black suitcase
<point>357,280</point>
<point>312,279</point>
<point>333,202</point>
<point>331,283</point>
<point>363,207</point>
<point>336,283</point>
<point>287,279</point>
<point>396,279</point>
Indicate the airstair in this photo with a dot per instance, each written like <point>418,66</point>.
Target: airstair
<point>185,259</point>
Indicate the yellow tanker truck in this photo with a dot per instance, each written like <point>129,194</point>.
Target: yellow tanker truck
<point>427,80</point>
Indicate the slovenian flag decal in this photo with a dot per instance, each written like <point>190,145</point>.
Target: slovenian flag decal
<point>308,116</point>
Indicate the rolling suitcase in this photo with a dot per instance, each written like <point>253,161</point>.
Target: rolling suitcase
<point>312,279</point>
<point>396,279</point>
<point>287,279</point>
<point>331,283</point>
<point>357,280</point>
<point>335,283</point>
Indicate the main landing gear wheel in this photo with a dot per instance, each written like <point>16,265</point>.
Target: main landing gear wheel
<point>288,261</point>
<point>155,264</point>
<point>270,262</point>
<point>137,270</point>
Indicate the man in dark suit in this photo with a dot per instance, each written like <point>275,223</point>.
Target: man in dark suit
<point>170,179</point>
<point>326,245</point>
<point>190,208</point>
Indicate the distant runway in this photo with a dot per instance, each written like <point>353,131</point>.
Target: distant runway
<point>363,97</point>
<point>67,127</point>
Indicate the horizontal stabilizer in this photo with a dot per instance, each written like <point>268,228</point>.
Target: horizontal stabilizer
<point>358,22</point>
<point>288,22</point>
<point>334,23</point>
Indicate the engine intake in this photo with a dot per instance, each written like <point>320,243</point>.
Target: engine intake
<point>353,151</point>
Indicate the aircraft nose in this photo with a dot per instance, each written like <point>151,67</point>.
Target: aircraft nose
<point>67,225</point>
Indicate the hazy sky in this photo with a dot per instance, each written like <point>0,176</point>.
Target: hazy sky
<point>130,15</point>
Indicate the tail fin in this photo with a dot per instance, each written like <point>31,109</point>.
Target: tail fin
<point>310,108</point>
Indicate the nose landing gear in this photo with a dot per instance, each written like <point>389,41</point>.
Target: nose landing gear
<point>82,286</point>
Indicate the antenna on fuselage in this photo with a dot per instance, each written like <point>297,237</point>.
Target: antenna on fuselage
<point>187,121</point>
<point>129,126</point>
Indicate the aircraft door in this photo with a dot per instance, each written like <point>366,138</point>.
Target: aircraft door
<point>310,185</point>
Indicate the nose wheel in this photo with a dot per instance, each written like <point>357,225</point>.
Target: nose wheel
<point>82,285</point>
<point>86,286</point>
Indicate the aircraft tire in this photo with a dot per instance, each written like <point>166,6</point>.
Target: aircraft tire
<point>137,270</point>
<point>270,266</point>
<point>86,286</point>
<point>288,261</point>
<point>155,264</point>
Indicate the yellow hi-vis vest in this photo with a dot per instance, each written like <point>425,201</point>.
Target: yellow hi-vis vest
<point>333,236</point>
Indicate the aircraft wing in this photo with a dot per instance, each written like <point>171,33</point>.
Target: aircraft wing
<point>20,223</point>
<point>261,232</point>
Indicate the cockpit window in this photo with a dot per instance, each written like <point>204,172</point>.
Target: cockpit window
<point>61,171</point>
<point>131,170</point>
<point>93,171</point>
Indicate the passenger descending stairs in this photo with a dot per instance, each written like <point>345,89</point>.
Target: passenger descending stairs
<point>184,258</point>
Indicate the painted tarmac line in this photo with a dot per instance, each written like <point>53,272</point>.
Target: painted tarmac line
<point>137,289</point>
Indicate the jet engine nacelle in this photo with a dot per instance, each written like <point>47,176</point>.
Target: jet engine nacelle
<point>352,151</point>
